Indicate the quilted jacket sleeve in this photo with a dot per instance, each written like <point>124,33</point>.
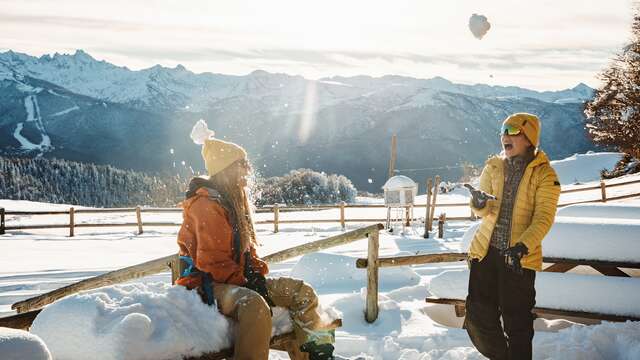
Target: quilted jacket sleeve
<point>546,203</point>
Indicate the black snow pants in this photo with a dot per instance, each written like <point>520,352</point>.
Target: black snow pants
<point>494,291</point>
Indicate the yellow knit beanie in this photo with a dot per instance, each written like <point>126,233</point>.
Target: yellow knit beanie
<point>527,123</point>
<point>218,155</point>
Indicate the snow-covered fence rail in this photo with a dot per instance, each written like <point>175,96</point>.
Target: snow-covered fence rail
<point>277,210</point>
<point>171,262</point>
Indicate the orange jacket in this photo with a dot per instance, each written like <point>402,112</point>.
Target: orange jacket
<point>206,235</point>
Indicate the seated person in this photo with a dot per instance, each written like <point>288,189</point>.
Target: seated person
<point>218,240</point>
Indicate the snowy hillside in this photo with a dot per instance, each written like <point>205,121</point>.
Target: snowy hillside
<point>46,259</point>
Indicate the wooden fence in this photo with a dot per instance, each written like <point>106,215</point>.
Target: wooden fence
<point>29,308</point>
<point>277,209</point>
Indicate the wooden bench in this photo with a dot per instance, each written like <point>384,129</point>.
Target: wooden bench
<point>460,309</point>
<point>283,342</point>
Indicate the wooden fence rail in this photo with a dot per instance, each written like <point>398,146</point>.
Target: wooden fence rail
<point>277,209</point>
<point>170,262</point>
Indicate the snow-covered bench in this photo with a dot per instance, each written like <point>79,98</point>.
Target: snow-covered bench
<point>156,319</point>
<point>607,245</point>
<point>572,295</point>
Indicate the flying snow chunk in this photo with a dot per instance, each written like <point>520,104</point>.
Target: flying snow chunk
<point>479,25</point>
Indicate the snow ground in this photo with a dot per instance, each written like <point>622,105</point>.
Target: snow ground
<point>36,261</point>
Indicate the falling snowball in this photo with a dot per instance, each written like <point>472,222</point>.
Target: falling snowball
<point>479,25</point>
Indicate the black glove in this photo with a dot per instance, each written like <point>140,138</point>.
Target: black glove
<point>256,281</point>
<point>513,255</point>
<point>478,197</point>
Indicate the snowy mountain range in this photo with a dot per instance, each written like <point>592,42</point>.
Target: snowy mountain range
<point>79,108</point>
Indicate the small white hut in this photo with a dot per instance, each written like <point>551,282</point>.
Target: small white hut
<point>400,193</point>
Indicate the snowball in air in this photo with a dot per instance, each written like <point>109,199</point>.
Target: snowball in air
<point>201,132</point>
<point>479,25</point>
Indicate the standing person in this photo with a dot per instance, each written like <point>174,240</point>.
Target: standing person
<point>217,239</point>
<point>506,251</point>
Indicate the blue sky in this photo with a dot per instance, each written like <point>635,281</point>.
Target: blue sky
<point>544,45</point>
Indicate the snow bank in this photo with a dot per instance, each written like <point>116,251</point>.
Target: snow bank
<point>136,321</point>
<point>599,210</point>
<point>584,167</point>
<point>585,238</point>
<point>591,293</point>
<point>605,341</point>
<point>338,272</point>
<point>21,345</point>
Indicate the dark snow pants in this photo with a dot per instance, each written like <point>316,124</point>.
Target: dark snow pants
<point>494,291</point>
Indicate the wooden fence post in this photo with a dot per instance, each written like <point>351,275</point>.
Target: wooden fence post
<point>176,269</point>
<point>407,216</point>
<point>603,190</point>
<point>441,221</point>
<point>427,209</point>
<point>371,313</point>
<point>276,217</point>
<point>139,218</point>
<point>1,221</point>
<point>72,221</point>
<point>342,222</point>
<point>436,185</point>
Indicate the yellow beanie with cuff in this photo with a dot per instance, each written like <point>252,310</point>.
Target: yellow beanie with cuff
<point>529,124</point>
<point>218,155</point>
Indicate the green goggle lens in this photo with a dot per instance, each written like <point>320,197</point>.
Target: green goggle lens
<point>509,130</point>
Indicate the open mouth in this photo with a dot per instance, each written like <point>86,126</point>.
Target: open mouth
<point>507,146</point>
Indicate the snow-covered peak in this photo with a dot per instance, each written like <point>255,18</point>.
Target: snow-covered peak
<point>161,87</point>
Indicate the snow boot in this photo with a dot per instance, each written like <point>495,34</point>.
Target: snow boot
<point>318,351</point>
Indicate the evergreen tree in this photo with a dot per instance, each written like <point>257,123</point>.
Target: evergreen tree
<point>613,116</point>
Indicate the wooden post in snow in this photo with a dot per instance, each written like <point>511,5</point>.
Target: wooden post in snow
<point>72,223</point>
<point>342,222</point>
<point>276,217</point>
<point>1,221</point>
<point>371,312</point>
<point>441,221</point>
<point>139,218</point>
<point>394,154</point>
<point>427,209</point>
<point>436,185</point>
<point>603,190</point>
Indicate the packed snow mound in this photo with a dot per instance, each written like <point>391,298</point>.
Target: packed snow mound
<point>135,321</point>
<point>21,345</point>
<point>598,210</point>
<point>338,272</point>
<point>584,167</point>
<point>604,341</point>
<point>601,294</point>
<point>585,238</point>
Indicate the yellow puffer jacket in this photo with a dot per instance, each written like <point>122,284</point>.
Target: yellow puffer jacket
<point>534,208</point>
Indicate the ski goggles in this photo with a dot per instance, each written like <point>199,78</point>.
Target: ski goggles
<point>507,129</point>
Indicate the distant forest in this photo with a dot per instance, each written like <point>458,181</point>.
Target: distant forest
<point>68,182</point>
